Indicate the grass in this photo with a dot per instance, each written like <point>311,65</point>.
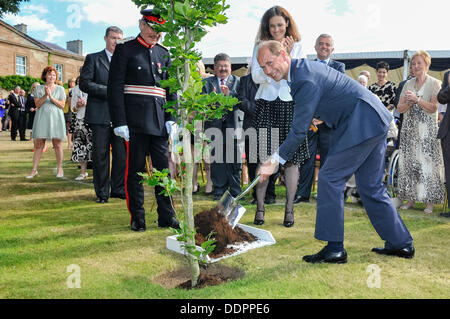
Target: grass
<point>48,224</point>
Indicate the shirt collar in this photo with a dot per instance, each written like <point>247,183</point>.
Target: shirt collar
<point>109,55</point>
<point>327,60</point>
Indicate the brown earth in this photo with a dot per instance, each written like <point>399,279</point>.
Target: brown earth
<point>206,222</point>
<point>215,274</point>
<point>210,220</point>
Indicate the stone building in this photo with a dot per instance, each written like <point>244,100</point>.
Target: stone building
<point>21,54</point>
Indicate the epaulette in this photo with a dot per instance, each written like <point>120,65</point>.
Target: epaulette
<point>122,41</point>
<point>162,46</point>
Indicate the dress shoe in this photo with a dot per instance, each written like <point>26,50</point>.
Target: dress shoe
<point>121,196</point>
<point>217,197</point>
<point>407,252</point>
<point>197,189</point>
<point>259,218</point>
<point>326,256</point>
<point>32,175</point>
<point>269,201</point>
<point>300,199</point>
<point>138,227</point>
<point>101,200</point>
<point>288,219</point>
<point>173,223</point>
<point>24,139</point>
<point>445,214</point>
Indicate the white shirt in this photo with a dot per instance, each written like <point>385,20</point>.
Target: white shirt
<point>76,93</point>
<point>269,89</point>
<point>109,55</point>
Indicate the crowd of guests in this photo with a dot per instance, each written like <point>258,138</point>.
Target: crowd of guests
<point>81,115</point>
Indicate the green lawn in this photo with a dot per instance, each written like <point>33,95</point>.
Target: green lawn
<point>48,224</point>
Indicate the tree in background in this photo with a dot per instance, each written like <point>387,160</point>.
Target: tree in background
<point>10,6</point>
<point>186,25</point>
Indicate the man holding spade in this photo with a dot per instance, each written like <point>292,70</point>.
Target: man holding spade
<point>360,124</point>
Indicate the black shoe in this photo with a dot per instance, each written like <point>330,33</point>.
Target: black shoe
<point>101,200</point>
<point>139,227</point>
<point>300,199</point>
<point>269,201</point>
<point>24,139</point>
<point>217,197</point>
<point>171,223</point>
<point>407,252</point>
<point>259,218</point>
<point>445,214</point>
<point>326,256</point>
<point>198,189</point>
<point>121,196</point>
<point>288,219</point>
<point>254,202</point>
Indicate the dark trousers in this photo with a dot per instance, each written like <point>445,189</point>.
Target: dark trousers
<point>367,162</point>
<point>317,143</point>
<point>226,174</point>
<point>139,147</point>
<point>445,144</point>
<point>18,123</point>
<point>104,140</point>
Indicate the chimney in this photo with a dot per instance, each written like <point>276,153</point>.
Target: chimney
<point>76,46</point>
<point>21,27</point>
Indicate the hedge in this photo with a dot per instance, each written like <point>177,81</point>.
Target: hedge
<point>10,81</point>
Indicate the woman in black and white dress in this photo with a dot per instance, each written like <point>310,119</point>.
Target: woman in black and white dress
<point>82,135</point>
<point>275,108</point>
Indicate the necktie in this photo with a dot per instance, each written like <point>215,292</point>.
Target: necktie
<point>222,82</point>
<point>323,61</point>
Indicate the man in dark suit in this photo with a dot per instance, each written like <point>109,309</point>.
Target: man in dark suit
<point>94,81</point>
<point>17,113</point>
<point>360,124</point>
<point>225,169</point>
<point>137,110</point>
<point>444,134</point>
<point>318,142</point>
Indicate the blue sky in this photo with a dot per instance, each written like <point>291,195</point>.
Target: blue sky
<point>357,26</point>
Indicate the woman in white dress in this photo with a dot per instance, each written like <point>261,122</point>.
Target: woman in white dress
<point>275,108</point>
<point>420,159</point>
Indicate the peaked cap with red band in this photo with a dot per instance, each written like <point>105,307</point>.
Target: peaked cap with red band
<point>152,18</point>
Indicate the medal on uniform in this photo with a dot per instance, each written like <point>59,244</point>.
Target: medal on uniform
<point>159,68</point>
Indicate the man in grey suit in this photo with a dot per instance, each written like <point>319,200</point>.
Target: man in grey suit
<point>444,134</point>
<point>318,142</point>
<point>226,169</point>
<point>94,82</point>
<point>360,124</point>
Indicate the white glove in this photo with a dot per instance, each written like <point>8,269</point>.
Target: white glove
<point>171,126</point>
<point>123,132</point>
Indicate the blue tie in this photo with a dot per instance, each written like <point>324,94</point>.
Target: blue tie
<point>323,61</point>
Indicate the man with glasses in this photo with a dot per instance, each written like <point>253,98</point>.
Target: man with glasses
<point>136,102</point>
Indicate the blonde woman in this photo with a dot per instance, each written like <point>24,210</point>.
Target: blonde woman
<point>420,160</point>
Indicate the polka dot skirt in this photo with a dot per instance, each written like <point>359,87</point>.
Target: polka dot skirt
<point>273,121</point>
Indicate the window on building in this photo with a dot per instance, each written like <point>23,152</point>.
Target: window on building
<point>59,68</point>
<point>21,65</point>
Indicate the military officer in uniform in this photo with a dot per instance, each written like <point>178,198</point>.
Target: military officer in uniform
<point>136,104</point>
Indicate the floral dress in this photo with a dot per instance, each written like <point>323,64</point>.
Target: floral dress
<point>421,165</point>
<point>386,93</point>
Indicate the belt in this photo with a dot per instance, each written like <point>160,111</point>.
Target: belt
<point>145,90</point>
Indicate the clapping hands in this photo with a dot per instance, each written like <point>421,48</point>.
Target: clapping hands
<point>288,43</point>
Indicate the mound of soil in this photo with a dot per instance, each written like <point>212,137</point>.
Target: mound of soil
<point>207,221</point>
<point>215,274</point>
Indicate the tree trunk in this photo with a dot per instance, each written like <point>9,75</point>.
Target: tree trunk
<point>188,203</point>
